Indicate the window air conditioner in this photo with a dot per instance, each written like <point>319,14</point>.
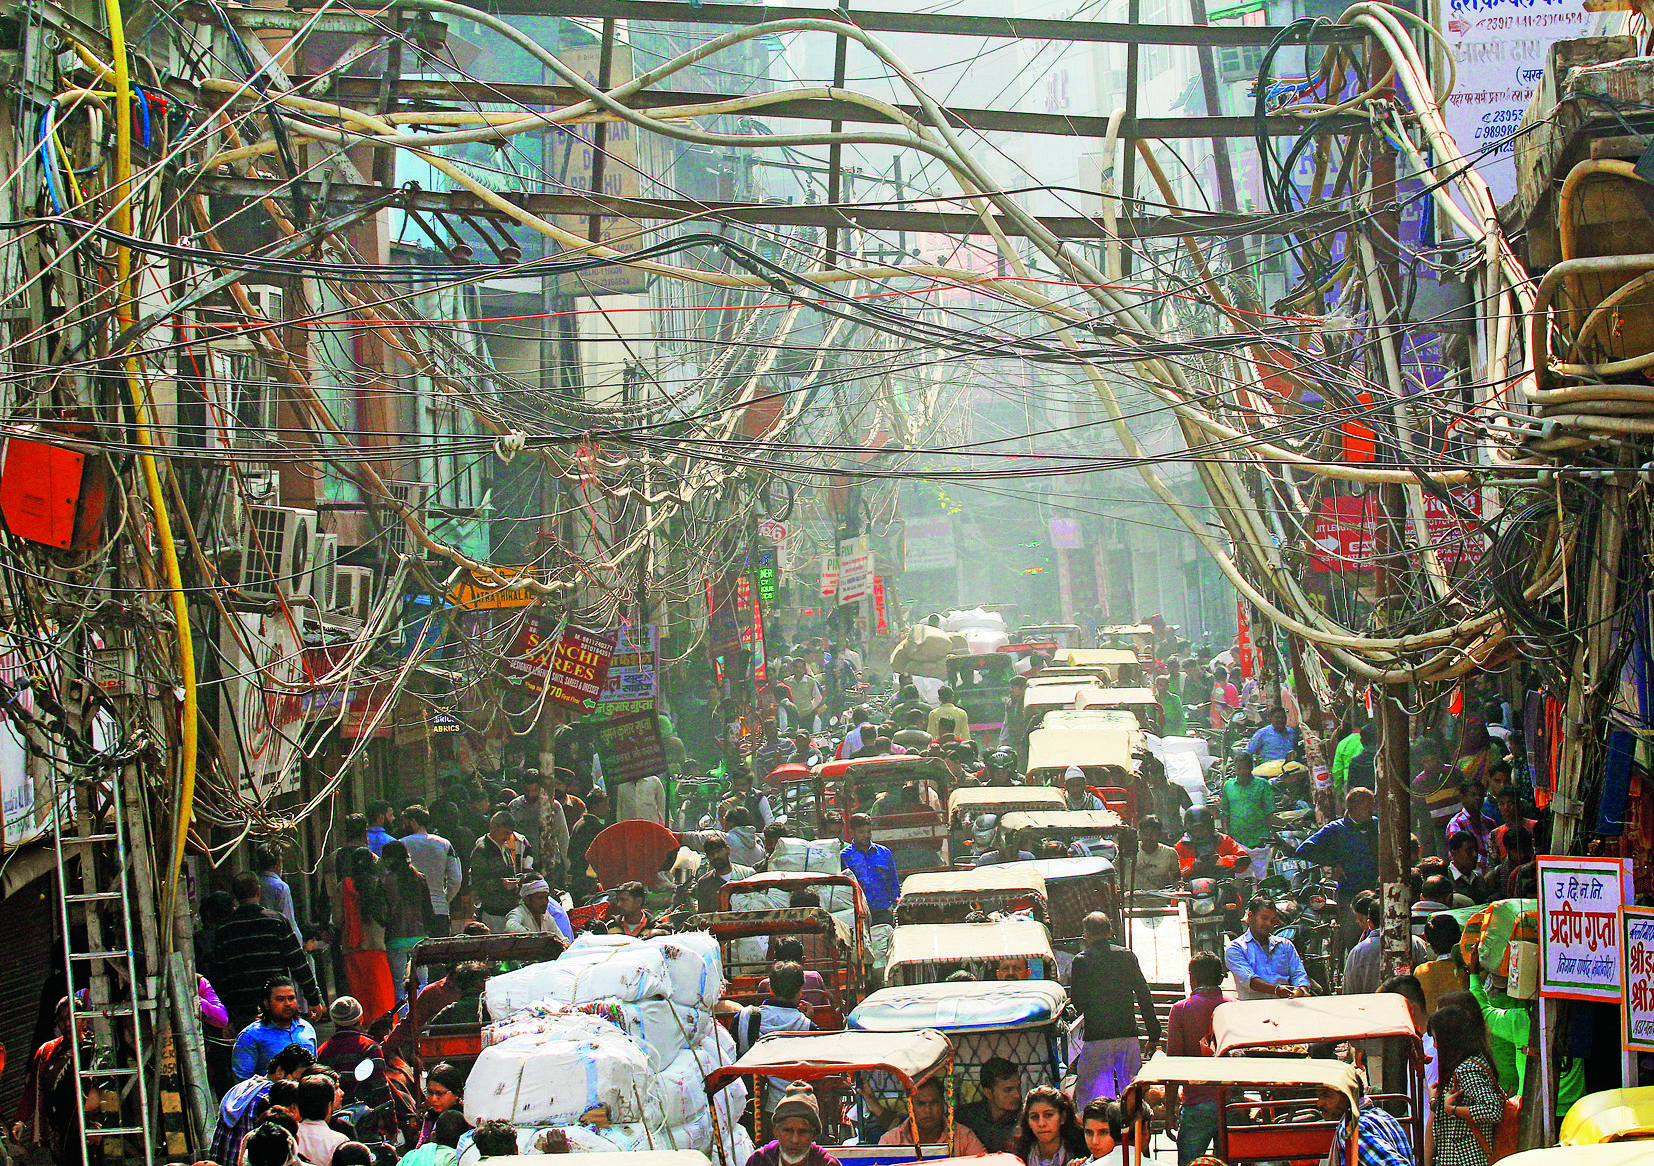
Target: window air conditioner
<point>276,547</point>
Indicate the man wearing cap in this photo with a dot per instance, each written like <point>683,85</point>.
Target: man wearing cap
<point>797,1125</point>
<point>538,913</point>
<point>1074,793</point>
<point>349,1046</point>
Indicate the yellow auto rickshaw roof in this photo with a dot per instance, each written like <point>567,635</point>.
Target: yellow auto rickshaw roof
<point>1098,820</point>
<point>1603,1154</point>
<point>1058,748</point>
<point>1250,1071</point>
<point>997,799</point>
<point>1095,657</point>
<point>1241,1025</point>
<point>1113,697</point>
<point>925,943</point>
<point>806,1056</point>
<point>1069,675</point>
<point>952,885</point>
<point>1614,1115</point>
<point>1045,696</point>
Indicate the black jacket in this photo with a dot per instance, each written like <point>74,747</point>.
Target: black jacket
<point>1102,983</point>
<point>489,864</point>
<point>250,947</point>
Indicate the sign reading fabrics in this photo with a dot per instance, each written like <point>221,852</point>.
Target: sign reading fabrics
<point>630,747</point>
<point>1579,926</point>
<point>570,669</point>
<point>1637,954</point>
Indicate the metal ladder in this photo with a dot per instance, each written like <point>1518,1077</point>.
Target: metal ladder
<point>94,866</point>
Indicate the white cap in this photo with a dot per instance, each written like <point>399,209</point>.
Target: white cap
<point>1071,772</point>
<point>533,887</point>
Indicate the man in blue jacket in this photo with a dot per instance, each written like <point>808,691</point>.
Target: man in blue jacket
<point>1349,847</point>
<point>278,1025</point>
<point>874,867</point>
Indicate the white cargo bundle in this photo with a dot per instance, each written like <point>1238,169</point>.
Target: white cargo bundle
<point>694,967</point>
<point>664,1028</point>
<point>635,972</point>
<point>821,856</point>
<point>549,1079</point>
<point>544,1018</point>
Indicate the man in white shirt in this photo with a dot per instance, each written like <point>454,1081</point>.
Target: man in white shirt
<point>643,800</point>
<point>539,913</point>
<point>318,1097</point>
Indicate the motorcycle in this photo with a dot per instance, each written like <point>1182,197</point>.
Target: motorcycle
<point>1217,910</point>
<point>378,1105</point>
<point>1307,902</point>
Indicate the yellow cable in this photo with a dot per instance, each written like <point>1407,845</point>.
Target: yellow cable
<point>124,298</point>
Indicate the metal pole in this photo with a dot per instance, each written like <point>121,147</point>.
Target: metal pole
<point>1128,131</point>
<point>1221,163</point>
<point>835,152</point>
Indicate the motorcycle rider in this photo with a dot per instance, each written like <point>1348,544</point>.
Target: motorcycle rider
<point>1001,769</point>
<point>1203,852</point>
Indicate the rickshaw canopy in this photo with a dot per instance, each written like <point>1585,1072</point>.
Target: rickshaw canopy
<point>1242,1025</point>
<point>978,881</point>
<point>725,925</point>
<point>1054,748</point>
<point>1000,799</point>
<point>1614,1115</point>
<point>929,943</point>
<point>792,880</point>
<point>1060,870</point>
<point>912,1057</point>
<point>788,771</point>
<point>1063,674</point>
<point>1254,1072</point>
<point>1075,821</point>
<point>953,1008</point>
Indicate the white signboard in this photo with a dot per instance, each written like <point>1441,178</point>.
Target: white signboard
<point>855,575</point>
<point>1637,944</point>
<point>1499,50</point>
<point>928,544</point>
<point>829,577</point>
<point>1579,926</point>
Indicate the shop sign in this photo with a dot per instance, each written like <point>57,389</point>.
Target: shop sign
<point>570,669</point>
<point>927,543</point>
<point>1579,926</point>
<point>881,625</point>
<point>829,577</point>
<point>632,683</point>
<point>855,574</point>
<point>478,594</point>
<point>630,747</point>
<point>1637,974</point>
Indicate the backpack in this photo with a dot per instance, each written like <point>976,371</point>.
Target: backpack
<point>746,1028</point>
<point>1505,1133</point>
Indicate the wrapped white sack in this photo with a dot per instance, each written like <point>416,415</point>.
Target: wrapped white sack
<point>738,1146</point>
<point>664,1028</point>
<point>773,899</point>
<point>544,1017</point>
<point>683,1089</point>
<point>975,617</point>
<point>637,972</point>
<point>694,967</point>
<point>596,941</point>
<point>692,1134</point>
<point>548,1079</point>
<point>823,855</point>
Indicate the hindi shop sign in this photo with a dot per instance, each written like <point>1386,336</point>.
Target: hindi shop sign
<point>1579,926</point>
<point>630,747</point>
<point>1637,955</point>
<point>570,669</point>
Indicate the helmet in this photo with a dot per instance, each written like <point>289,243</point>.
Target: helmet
<point>1197,818</point>
<point>1002,759</point>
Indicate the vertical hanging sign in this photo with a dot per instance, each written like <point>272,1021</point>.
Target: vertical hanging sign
<point>881,626</point>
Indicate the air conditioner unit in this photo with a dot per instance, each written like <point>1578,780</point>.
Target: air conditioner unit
<point>353,591</point>
<point>1239,62</point>
<point>253,399</point>
<point>412,496</point>
<point>324,566</point>
<point>276,547</point>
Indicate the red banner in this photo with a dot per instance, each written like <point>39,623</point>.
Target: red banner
<point>570,670</point>
<point>1346,530</point>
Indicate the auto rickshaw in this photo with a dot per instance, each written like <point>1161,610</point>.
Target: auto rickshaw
<point>907,813</point>
<point>1040,699</point>
<point>1062,635</point>
<point>845,969</point>
<point>792,792</point>
<point>1383,1018</point>
<point>1106,756</point>
<point>949,896</point>
<point>981,682</point>
<point>1138,637</point>
<point>974,813</point>
<point>1081,833</point>
<point>1121,664</point>
<point>1614,1115</point>
<point>1020,1020</point>
<point>928,953</point>
<point>744,941</point>
<point>1075,887</point>
<point>1138,701</point>
<point>1092,718</point>
<point>1266,1107</point>
<point>887,1064</point>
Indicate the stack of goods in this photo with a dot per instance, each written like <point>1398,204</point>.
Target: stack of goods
<point>606,1049</point>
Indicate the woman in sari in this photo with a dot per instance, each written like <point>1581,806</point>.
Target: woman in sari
<point>363,941</point>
